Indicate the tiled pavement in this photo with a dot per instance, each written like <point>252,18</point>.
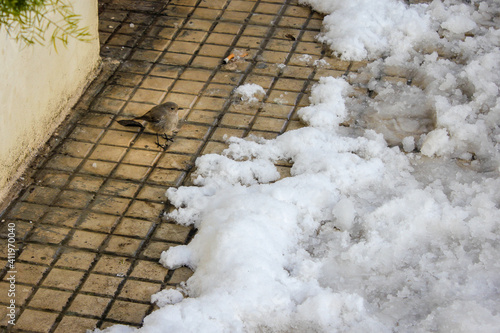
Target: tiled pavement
<point>88,228</point>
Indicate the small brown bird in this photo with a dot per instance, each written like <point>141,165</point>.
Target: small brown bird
<point>162,119</point>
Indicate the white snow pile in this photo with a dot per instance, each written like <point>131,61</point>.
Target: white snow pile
<point>361,29</point>
<point>452,107</point>
<point>327,104</point>
<point>250,93</point>
<point>390,225</point>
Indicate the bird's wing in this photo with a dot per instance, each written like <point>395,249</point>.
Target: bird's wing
<point>154,115</point>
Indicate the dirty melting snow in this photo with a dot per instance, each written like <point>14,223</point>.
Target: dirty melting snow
<point>391,224</point>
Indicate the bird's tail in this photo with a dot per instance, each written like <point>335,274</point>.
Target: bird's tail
<point>130,122</point>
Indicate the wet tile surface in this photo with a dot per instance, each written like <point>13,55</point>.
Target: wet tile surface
<point>89,229</point>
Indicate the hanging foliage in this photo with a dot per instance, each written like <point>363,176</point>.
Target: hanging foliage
<point>31,21</point>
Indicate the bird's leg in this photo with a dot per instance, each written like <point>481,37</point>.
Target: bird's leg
<point>164,147</point>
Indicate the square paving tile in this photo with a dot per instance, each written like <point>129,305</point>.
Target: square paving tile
<point>133,109</point>
<point>75,259</point>
<point>203,117</point>
<point>172,58</point>
<point>127,79</point>
<point>89,305</point>
<point>276,110</point>
<point>36,321</point>
<point>220,38</point>
<point>154,249</point>
<point>242,6</point>
<point>227,78</point>
<point>175,161</point>
<point>28,273</point>
<point>224,27</point>
<point>268,124</point>
<point>62,162</point>
<point>283,97</point>
<point>139,290</point>
<point>86,183</point>
<point>222,134</point>
<point>268,8</point>
<point>74,199</point>
<point>22,230</point>
<point>219,90</point>
<point>169,71</point>
<point>181,274</point>
<point>123,245</point>
<point>117,92</point>
<point>172,232</point>
<point>214,147</point>
<point>76,148</point>
<point>157,83</point>
<point>86,239</point>
<point>101,284</point>
<point>63,279</point>
<point>145,55</point>
<point>48,234</point>
<point>86,133</point>
<point>28,211</point>
<point>108,105</point>
<point>106,324</point>
<point>236,120</point>
<point>98,222</point>
<point>113,265</point>
<point>136,67</point>
<point>41,195</point>
<point>61,216</point>
<point>131,172</point>
<point>110,205</point>
<point>234,16</point>
<point>185,146</point>
<point>128,312</point>
<point>183,100</point>
<point>22,292</point>
<point>75,324</point>
<point>263,81</point>
<point>118,138</point>
<point>108,153</point>
<point>287,84</point>
<point>292,22</point>
<point>198,24</point>
<point>95,167</point>
<point>38,253</point>
<point>183,47</point>
<point>152,193</point>
<point>210,103</point>
<point>148,96</point>
<point>49,299</point>
<point>166,177</point>
<point>149,270</point>
<point>145,209</point>
<point>194,131</point>
<point>133,227</point>
<point>121,188</point>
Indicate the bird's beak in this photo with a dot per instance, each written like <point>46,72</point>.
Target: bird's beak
<point>180,108</point>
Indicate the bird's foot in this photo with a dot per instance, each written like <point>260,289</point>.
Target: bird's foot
<point>168,138</point>
<point>164,147</point>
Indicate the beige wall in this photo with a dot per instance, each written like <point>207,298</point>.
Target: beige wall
<point>37,88</point>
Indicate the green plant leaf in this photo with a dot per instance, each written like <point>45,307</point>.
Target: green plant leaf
<point>27,21</point>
